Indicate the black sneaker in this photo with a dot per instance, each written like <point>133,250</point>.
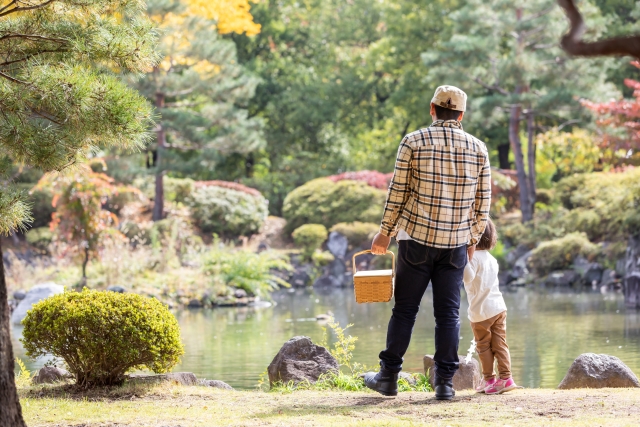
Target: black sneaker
<point>444,389</point>
<point>383,382</point>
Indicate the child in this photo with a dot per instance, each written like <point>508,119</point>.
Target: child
<point>488,313</point>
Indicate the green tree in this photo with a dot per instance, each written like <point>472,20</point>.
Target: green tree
<point>59,102</point>
<point>198,90</point>
<point>509,53</point>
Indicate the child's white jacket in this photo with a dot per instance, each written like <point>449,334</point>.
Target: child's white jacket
<point>481,284</point>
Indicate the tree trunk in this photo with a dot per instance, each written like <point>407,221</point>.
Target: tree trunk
<point>84,264</point>
<point>503,156</point>
<point>516,146</point>
<point>158,203</point>
<point>10,410</point>
<point>531,157</point>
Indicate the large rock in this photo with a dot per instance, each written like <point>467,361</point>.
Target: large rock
<point>181,378</point>
<point>591,370</point>
<point>327,281</point>
<point>300,360</point>
<point>467,377</point>
<point>562,278</point>
<point>35,294</point>
<point>51,374</point>
<point>216,384</point>
<point>337,244</point>
<point>302,275</point>
<point>520,268</point>
<point>590,273</point>
<point>337,269</point>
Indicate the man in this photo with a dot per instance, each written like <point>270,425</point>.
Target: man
<point>437,208</point>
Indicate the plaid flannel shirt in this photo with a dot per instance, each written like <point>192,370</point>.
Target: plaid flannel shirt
<point>441,189</point>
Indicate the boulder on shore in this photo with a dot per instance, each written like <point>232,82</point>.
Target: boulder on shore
<point>51,374</point>
<point>34,295</point>
<point>300,360</point>
<point>180,378</point>
<point>591,370</point>
<point>467,377</point>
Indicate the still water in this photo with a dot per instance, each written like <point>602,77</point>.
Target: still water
<point>546,331</point>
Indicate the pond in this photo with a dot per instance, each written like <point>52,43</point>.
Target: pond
<point>547,330</point>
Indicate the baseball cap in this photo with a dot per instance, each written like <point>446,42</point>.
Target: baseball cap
<point>450,97</point>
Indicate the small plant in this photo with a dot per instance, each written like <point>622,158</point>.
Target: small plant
<point>322,258</point>
<point>310,237</point>
<point>23,377</point>
<point>253,272</point>
<point>103,335</point>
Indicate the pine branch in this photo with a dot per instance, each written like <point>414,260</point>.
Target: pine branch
<point>8,77</point>
<point>21,9</point>
<point>572,41</point>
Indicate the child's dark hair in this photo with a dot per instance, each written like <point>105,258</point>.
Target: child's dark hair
<point>489,237</point>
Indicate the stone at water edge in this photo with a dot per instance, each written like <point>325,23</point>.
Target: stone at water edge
<point>300,360</point>
<point>591,370</point>
<point>19,295</point>
<point>337,244</point>
<point>466,377</point>
<point>116,288</point>
<point>216,384</point>
<point>34,295</point>
<point>51,374</point>
<point>181,378</point>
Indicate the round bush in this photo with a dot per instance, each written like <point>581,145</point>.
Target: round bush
<point>559,254</point>
<point>359,234</point>
<point>310,237</point>
<point>227,212</point>
<point>101,335</point>
<point>322,201</point>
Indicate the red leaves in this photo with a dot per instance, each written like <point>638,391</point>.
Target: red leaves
<point>372,178</point>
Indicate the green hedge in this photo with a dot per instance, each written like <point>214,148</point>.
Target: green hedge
<point>559,254</point>
<point>310,237</point>
<point>322,201</point>
<point>227,212</point>
<point>103,335</point>
<point>359,234</point>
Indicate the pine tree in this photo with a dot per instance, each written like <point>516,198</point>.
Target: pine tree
<point>197,87</point>
<point>508,52</point>
<point>59,102</point>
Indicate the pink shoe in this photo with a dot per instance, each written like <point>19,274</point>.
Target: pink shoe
<point>484,384</point>
<point>501,386</point>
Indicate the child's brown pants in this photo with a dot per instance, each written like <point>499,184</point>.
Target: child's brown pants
<point>491,342</point>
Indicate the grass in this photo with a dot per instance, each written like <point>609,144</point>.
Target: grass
<point>175,406</point>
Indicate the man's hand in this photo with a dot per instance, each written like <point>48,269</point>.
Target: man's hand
<point>380,244</point>
<point>470,251</point>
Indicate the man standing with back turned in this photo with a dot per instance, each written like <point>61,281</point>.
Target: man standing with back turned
<point>437,208</point>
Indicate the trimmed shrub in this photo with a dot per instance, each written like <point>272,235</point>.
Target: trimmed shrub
<point>372,178</point>
<point>103,335</point>
<point>559,254</point>
<point>322,258</point>
<point>310,237</point>
<point>40,237</point>
<point>227,212</point>
<point>359,234</point>
<point>544,196</point>
<point>586,221</point>
<point>321,201</point>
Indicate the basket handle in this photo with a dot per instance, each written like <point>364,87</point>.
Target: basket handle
<point>368,251</point>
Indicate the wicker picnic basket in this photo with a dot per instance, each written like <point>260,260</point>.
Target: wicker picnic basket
<point>374,285</point>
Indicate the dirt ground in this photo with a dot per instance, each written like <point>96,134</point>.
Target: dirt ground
<point>172,406</point>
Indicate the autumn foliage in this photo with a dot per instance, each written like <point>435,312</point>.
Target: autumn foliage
<point>623,118</point>
<point>372,178</point>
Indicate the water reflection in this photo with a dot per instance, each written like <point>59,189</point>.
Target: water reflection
<point>546,331</point>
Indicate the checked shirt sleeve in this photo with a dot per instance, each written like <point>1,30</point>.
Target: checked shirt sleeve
<point>399,189</point>
<point>482,203</point>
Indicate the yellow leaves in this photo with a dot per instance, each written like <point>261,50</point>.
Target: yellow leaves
<point>232,16</point>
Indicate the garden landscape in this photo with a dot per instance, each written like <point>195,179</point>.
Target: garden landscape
<point>188,188</point>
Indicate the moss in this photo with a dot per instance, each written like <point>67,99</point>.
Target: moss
<point>322,201</point>
<point>559,254</point>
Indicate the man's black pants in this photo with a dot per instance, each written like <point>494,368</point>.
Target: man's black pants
<point>417,265</point>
